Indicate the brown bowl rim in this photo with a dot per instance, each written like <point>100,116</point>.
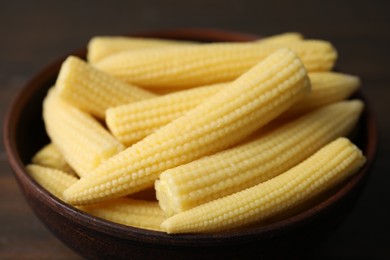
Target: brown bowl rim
<point>157,237</point>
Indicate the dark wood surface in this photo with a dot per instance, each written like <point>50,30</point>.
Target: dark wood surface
<point>35,33</point>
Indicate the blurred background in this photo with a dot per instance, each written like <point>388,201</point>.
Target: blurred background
<point>35,33</point>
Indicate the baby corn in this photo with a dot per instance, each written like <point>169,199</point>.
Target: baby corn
<point>208,63</point>
<point>130,212</point>
<point>103,46</point>
<point>222,120</point>
<point>241,167</point>
<point>327,87</point>
<point>83,142</point>
<point>53,180</point>
<point>93,91</point>
<point>130,123</point>
<point>50,156</point>
<point>326,168</point>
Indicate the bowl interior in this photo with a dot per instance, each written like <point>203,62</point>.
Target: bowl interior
<point>25,134</point>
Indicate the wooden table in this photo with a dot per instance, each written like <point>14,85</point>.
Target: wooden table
<point>34,33</point>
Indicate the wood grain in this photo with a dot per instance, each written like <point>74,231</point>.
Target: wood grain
<point>35,33</point>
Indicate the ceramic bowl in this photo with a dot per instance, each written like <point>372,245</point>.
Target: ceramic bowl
<point>92,237</point>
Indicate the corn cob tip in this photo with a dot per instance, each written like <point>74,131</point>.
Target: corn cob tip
<point>50,156</point>
<point>53,180</point>
<point>328,54</point>
<point>93,91</point>
<point>336,77</point>
<point>81,139</point>
<point>164,201</point>
<point>128,211</point>
<point>355,80</point>
<point>356,103</point>
<point>65,67</point>
<point>347,144</point>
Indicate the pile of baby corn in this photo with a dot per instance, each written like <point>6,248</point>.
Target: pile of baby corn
<point>187,137</point>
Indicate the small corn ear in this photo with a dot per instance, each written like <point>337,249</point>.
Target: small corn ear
<point>131,123</point>
<point>208,63</point>
<point>326,168</point>
<point>222,120</point>
<point>327,87</point>
<point>50,156</point>
<point>93,91</point>
<point>53,180</point>
<point>82,140</point>
<point>130,212</point>
<point>244,166</point>
<point>101,47</point>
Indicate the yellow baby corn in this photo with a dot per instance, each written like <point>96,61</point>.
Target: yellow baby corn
<point>241,167</point>
<point>130,123</point>
<point>50,156</point>
<point>53,180</point>
<point>130,212</point>
<point>81,139</point>
<point>208,63</point>
<point>327,87</point>
<point>101,47</point>
<point>323,170</point>
<point>94,91</point>
<point>222,120</point>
